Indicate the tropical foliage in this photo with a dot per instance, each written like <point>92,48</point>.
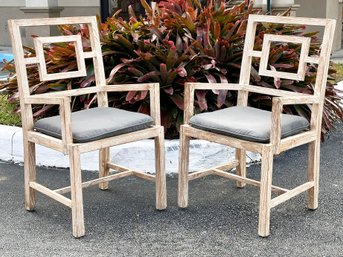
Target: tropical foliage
<point>179,41</point>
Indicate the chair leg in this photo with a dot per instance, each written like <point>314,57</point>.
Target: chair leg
<point>30,174</point>
<point>265,192</point>
<point>183,170</point>
<point>241,169</point>
<point>104,170</point>
<point>76,193</point>
<point>161,187</point>
<point>313,173</point>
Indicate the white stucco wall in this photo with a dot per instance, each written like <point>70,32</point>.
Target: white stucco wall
<point>65,3</point>
<point>12,3</point>
<point>22,3</point>
<point>323,9</point>
<point>10,9</point>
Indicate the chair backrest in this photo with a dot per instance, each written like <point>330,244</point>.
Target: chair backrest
<point>322,59</point>
<point>21,61</point>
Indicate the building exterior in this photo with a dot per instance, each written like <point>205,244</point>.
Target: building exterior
<point>55,8</point>
<point>324,9</point>
<point>17,9</point>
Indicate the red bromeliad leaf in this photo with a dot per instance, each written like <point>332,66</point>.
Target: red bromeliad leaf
<point>200,32</point>
<point>135,71</point>
<point>144,108</point>
<point>169,90</point>
<point>40,88</point>
<point>130,95</point>
<point>221,98</point>
<point>277,81</point>
<point>206,35</point>
<point>115,70</point>
<point>88,81</point>
<point>207,66</point>
<point>164,75</point>
<point>151,76</point>
<point>156,32</point>
<point>258,98</point>
<point>131,13</point>
<point>57,86</point>
<point>284,65</point>
<point>42,111</point>
<point>287,82</point>
<point>172,57</point>
<point>90,101</point>
<point>254,74</point>
<point>216,29</point>
<point>130,61</point>
<point>221,93</point>
<point>210,78</point>
<point>147,8</point>
<point>124,42</point>
<point>201,99</point>
<point>181,72</point>
<point>167,119</point>
<point>142,95</point>
<point>223,79</point>
<point>178,101</point>
<point>179,43</point>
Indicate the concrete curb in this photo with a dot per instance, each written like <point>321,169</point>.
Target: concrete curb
<point>203,154</point>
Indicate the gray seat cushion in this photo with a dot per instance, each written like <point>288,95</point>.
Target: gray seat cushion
<point>96,123</point>
<point>247,123</point>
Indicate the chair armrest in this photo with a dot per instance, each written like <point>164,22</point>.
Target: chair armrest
<point>277,107</point>
<point>216,86</point>
<point>65,114</point>
<point>43,99</point>
<point>154,93</point>
<point>68,93</point>
<point>92,90</point>
<point>268,91</point>
<point>298,99</point>
<point>129,87</point>
<point>286,97</point>
<point>273,92</point>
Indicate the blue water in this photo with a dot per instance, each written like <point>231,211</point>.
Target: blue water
<point>7,56</point>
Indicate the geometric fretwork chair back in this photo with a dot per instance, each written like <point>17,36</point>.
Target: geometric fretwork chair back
<point>74,133</point>
<point>21,62</point>
<point>321,59</point>
<point>250,129</point>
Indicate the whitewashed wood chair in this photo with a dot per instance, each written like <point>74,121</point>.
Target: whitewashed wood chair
<point>268,133</point>
<point>73,133</point>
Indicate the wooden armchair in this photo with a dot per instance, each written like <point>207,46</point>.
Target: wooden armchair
<point>74,133</point>
<point>268,133</point>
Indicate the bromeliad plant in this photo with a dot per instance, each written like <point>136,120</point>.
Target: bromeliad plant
<point>179,41</point>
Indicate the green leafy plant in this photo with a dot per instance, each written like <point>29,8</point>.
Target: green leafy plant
<point>181,41</point>
<point>7,117</point>
<point>339,71</point>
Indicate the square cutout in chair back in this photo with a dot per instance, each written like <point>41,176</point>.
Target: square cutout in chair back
<point>303,58</point>
<point>39,43</point>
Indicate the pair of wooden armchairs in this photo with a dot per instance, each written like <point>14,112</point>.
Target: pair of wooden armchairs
<point>242,127</point>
